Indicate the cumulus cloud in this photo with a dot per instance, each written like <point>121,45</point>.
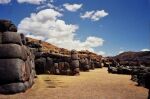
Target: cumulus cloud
<point>37,2</point>
<point>121,52</point>
<point>101,53</point>
<point>35,37</point>
<point>88,14</point>
<point>72,7</point>
<point>5,1</point>
<point>146,49</point>
<point>49,5</point>
<point>94,15</point>
<point>47,26</point>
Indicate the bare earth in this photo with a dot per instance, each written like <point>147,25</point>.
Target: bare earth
<point>96,84</point>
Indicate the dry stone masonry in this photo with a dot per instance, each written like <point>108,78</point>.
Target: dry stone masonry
<point>74,63</point>
<point>21,59</point>
<point>16,61</point>
<point>55,62</point>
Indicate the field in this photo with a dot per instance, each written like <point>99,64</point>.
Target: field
<point>96,84</point>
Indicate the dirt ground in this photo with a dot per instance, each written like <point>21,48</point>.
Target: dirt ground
<point>96,84</point>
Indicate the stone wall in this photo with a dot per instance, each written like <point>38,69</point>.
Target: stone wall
<point>53,62</point>
<point>17,69</point>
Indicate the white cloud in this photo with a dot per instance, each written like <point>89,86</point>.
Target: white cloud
<point>47,26</point>
<point>72,7</point>
<point>94,15</point>
<point>121,52</point>
<point>99,14</point>
<point>71,43</point>
<point>101,53</point>
<point>5,1</point>
<point>49,5</point>
<point>35,37</point>
<point>37,2</point>
<point>88,14</point>
<point>93,42</point>
<point>146,49</point>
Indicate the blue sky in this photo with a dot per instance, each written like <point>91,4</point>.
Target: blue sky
<point>126,27</point>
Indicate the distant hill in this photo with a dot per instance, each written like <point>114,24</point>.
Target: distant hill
<point>142,57</point>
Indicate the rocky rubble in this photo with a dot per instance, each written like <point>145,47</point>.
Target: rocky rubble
<point>138,69</point>
<point>141,76</point>
<point>115,67</point>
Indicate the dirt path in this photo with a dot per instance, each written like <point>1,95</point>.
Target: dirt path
<point>96,84</point>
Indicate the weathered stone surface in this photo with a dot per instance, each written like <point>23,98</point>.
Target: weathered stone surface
<point>16,60</point>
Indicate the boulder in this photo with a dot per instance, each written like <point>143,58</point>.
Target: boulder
<point>6,25</point>
<point>11,37</point>
<point>12,51</point>
<point>74,64</point>
<point>13,69</point>
<point>74,57</point>
<point>13,88</point>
